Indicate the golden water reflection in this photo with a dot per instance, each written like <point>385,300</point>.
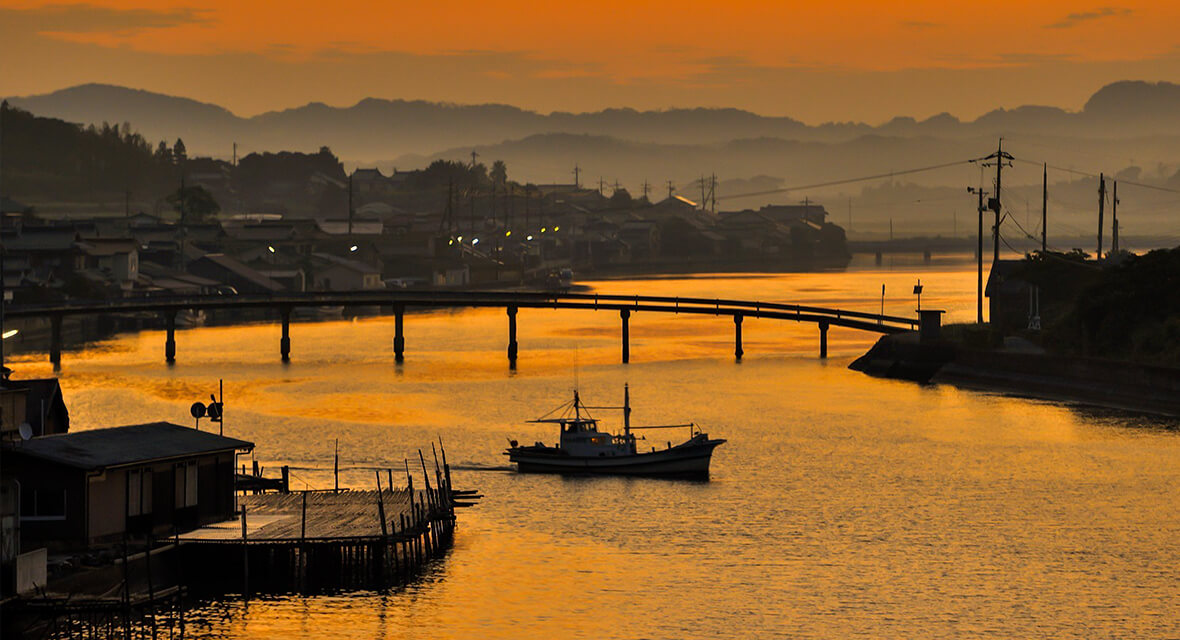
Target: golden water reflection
<point>842,505</point>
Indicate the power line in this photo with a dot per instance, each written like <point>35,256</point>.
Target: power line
<point>834,183</point>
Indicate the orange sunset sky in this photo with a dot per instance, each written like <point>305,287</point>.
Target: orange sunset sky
<point>821,61</point>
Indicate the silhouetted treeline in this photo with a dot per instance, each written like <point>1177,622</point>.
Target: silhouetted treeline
<point>1128,309</point>
<point>54,158</point>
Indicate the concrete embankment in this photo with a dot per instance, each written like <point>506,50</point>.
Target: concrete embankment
<point>1122,385</point>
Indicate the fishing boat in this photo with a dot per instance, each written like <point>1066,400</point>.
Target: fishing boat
<point>583,449</point>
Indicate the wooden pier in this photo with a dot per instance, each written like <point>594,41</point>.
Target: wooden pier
<point>321,541</point>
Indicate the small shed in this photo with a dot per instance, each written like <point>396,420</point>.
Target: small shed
<point>91,487</point>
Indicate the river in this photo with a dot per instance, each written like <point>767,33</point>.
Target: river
<point>841,506</point>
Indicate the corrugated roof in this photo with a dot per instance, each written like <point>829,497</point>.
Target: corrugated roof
<point>132,444</point>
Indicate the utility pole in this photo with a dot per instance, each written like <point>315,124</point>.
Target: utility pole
<point>703,197</point>
<point>1000,157</point>
<point>235,162</point>
<point>577,173</point>
<point>350,204</point>
<point>474,155</point>
<point>646,189</point>
<point>601,185</point>
<point>979,254</point>
<point>1101,206</point>
<point>671,188</point>
<point>1114,219</point>
<point>1045,208</point>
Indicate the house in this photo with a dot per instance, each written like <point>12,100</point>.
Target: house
<point>222,268</point>
<point>116,258</point>
<point>642,236</point>
<point>95,487</point>
<point>37,403</point>
<point>334,273</point>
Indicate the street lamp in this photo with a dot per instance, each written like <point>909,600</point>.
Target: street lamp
<point>918,292</point>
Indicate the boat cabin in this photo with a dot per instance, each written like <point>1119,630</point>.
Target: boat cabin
<point>581,437</point>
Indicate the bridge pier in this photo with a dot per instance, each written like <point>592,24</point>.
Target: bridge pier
<point>823,340</point>
<point>512,346</point>
<point>285,341</point>
<point>399,336</point>
<point>737,336</point>
<point>170,338</point>
<point>55,341</point>
<point>625,314</point>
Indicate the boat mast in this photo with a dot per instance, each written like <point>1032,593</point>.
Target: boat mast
<point>577,403</point>
<point>627,410</point>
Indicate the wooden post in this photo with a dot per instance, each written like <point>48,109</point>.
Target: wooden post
<point>286,478</point>
<point>170,339</point>
<point>625,314</point>
<point>512,346</point>
<point>381,507</point>
<point>823,340</point>
<point>245,560</point>
<point>336,466</point>
<point>737,336</point>
<point>399,337</point>
<point>285,341</point>
<point>55,341</point>
<point>303,521</point>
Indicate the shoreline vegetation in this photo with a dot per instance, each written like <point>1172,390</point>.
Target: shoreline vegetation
<point>1104,333</point>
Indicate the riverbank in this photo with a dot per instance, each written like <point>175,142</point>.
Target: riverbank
<point>1016,370</point>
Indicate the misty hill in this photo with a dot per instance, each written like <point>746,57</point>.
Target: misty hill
<point>376,129</point>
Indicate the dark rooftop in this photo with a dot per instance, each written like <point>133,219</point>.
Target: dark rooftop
<point>132,444</point>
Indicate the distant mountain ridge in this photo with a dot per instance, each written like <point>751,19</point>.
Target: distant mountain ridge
<point>378,128</point>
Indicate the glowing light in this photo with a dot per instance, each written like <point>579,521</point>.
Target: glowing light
<point>460,238</point>
<point>11,332</point>
<point>530,237</point>
<point>270,248</point>
<point>474,241</point>
<point>556,229</point>
<point>352,248</point>
<point>507,234</point>
<point>542,229</point>
<point>450,242</point>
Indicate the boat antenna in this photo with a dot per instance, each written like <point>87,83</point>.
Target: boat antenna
<point>575,370</point>
<point>626,410</point>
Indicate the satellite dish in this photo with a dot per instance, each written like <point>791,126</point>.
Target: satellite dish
<point>26,430</point>
<point>215,411</point>
<point>197,410</point>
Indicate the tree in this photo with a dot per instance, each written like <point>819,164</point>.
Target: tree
<point>179,152</point>
<point>163,153</point>
<point>499,173</point>
<point>194,204</point>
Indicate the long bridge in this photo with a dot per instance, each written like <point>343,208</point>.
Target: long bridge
<point>400,300</point>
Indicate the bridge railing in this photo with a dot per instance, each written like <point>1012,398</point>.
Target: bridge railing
<point>459,298</point>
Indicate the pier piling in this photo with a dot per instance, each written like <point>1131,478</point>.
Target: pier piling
<point>737,336</point>
<point>170,340</point>
<point>285,341</point>
<point>823,340</point>
<point>512,346</point>
<point>55,341</point>
<point>625,314</point>
<point>399,336</point>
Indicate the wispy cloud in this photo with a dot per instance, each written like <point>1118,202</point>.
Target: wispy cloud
<point>93,19</point>
<point>1077,18</point>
